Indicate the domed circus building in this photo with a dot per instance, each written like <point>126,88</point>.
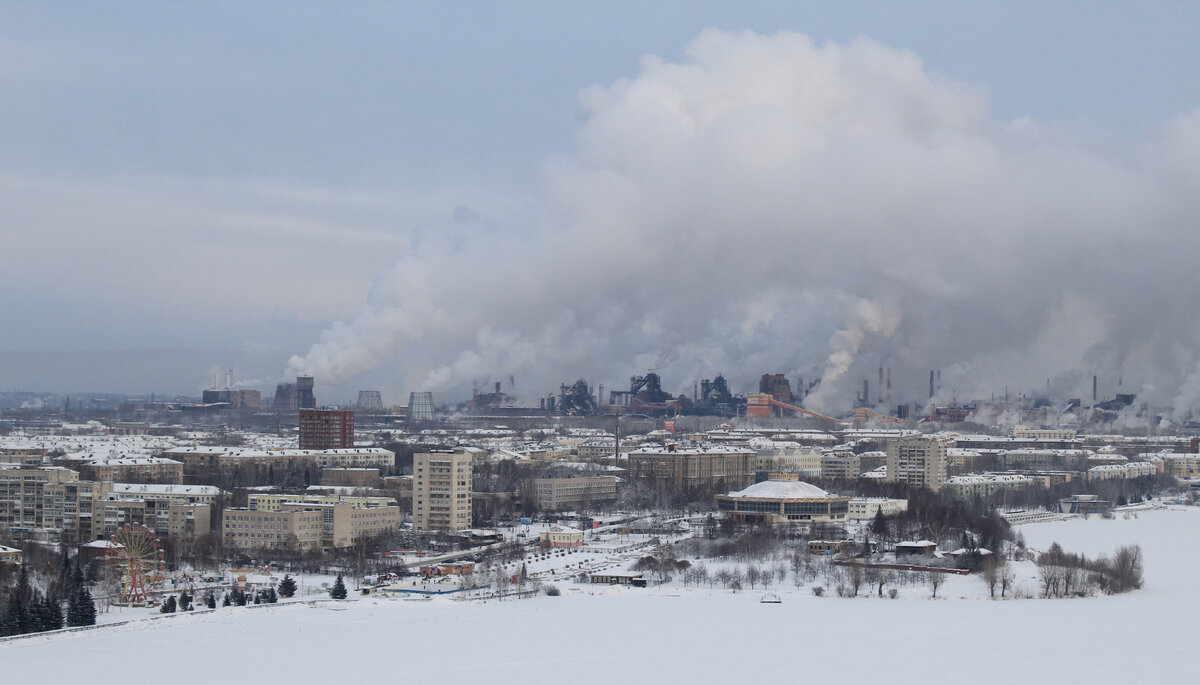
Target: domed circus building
<point>779,501</point>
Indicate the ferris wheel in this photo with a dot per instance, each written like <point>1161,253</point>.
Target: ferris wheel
<point>136,551</point>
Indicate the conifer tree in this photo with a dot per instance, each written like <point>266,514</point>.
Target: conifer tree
<point>81,610</point>
<point>339,588</point>
<point>185,601</point>
<point>210,600</point>
<point>51,612</point>
<point>269,596</point>
<point>168,607</point>
<point>226,601</point>
<point>287,586</point>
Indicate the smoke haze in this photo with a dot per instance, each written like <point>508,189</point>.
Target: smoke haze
<point>767,204</point>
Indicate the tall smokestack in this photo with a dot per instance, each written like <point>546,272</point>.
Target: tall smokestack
<point>866,391</point>
<point>1094,386</point>
<point>931,384</point>
<point>229,379</point>
<point>889,384</point>
<point>879,388</point>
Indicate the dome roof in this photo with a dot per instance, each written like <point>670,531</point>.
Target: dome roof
<point>782,489</point>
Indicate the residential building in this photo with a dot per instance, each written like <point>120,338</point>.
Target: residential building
<point>350,477</point>
<point>442,490</point>
<point>299,528</point>
<point>133,470</point>
<point>918,461</point>
<point>343,523</point>
<point>22,496</point>
<point>326,429</point>
<point>1027,433</point>
<point>986,484</point>
<point>1184,465</point>
<point>683,469</point>
<point>1134,469</point>
<point>840,465</point>
<point>561,537</point>
<point>69,507</point>
<point>269,501</point>
<point>579,492</point>
<point>866,508</point>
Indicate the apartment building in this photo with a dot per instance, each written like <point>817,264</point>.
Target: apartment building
<point>840,466</point>
<point>326,429</point>
<point>342,523</point>
<point>578,492</point>
<point>244,529</point>
<point>69,507</point>
<point>866,508</point>
<point>133,470</point>
<point>22,495</point>
<point>442,490</point>
<point>270,501</point>
<point>918,461</point>
<point>727,468</point>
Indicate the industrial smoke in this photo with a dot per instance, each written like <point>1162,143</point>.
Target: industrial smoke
<point>767,204</point>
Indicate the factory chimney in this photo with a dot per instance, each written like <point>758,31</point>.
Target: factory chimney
<point>1094,389</point>
<point>866,391</point>
<point>931,384</point>
<point>879,388</point>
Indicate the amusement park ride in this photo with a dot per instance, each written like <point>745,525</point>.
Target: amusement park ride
<point>136,552</point>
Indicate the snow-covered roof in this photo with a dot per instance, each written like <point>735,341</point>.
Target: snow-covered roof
<point>160,489</point>
<point>782,489</point>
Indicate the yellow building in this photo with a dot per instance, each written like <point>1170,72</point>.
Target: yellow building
<point>442,490</point>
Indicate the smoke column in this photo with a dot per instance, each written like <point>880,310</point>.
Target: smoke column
<point>770,203</point>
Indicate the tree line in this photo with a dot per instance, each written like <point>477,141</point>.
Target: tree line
<point>32,609</point>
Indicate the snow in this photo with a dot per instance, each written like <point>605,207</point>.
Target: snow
<point>617,634</point>
<point>782,489</point>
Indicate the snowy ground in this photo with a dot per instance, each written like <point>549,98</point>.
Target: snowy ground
<point>616,634</point>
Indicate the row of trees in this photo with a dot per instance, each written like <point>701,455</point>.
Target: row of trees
<point>1064,574</point>
<point>29,609</point>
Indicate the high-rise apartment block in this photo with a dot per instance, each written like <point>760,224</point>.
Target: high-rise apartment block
<point>442,490</point>
<point>918,461</point>
<point>326,429</point>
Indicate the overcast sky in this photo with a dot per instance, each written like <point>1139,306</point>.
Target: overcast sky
<point>279,187</point>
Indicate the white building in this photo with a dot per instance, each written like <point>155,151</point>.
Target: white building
<point>865,508</point>
<point>1134,469</point>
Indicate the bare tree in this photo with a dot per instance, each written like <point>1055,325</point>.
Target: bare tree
<point>935,581</point>
<point>856,579</point>
<point>1007,578</point>
<point>991,575</point>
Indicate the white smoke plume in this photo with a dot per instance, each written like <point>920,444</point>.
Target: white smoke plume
<point>865,317</point>
<point>767,204</point>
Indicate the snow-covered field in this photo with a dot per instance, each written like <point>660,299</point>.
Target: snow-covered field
<point>681,635</point>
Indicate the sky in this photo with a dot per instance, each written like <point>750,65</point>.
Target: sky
<point>406,196</point>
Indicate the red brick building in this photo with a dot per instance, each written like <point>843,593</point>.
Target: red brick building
<point>326,429</point>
